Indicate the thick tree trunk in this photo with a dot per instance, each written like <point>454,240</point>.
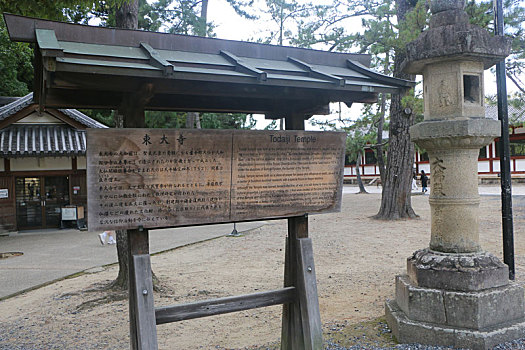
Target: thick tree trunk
<point>190,120</point>
<point>131,115</point>
<point>396,201</point>
<point>193,119</point>
<point>197,121</point>
<point>358,174</point>
<point>122,282</point>
<point>204,17</point>
<point>127,15</point>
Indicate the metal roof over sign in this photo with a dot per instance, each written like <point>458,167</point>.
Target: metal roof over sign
<point>93,67</point>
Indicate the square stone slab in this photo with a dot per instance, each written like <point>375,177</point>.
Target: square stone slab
<point>409,331</point>
<point>475,310</point>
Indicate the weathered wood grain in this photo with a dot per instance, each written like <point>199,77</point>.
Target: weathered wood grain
<point>307,295</point>
<point>146,329</point>
<point>158,177</point>
<point>173,177</point>
<point>223,305</point>
<point>286,173</point>
<point>292,329</point>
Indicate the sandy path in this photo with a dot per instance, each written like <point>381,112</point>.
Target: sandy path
<point>356,261</point>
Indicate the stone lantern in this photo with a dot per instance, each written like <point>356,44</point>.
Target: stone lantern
<point>454,293</point>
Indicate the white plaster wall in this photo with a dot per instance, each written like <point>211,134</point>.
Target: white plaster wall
<point>483,166</point>
<point>34,118</point>
<point>369,170</point>
<point>520,164</point>
<point>495,165</point>
<point>348,171</point>
<point>519,130</point>
<point>81,163</point>
<point>47,163</point>
<point>425,167</point>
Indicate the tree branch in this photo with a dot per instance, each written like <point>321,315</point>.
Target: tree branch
<point>511,77</point>
<point>377,145</point>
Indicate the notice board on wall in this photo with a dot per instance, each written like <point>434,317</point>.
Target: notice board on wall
<point>178,177</point>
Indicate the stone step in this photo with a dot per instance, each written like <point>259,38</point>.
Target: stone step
<point>411,331</point>
<point>475,310</point>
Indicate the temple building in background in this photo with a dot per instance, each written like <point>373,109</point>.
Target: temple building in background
<point>42,164</point>
<point>488,161</point>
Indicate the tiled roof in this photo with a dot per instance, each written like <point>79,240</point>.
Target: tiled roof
<point>18,105</point>
<point>516,115</point>
<point>31,140</point>
<point>82,118</point>
<point>27,100</point>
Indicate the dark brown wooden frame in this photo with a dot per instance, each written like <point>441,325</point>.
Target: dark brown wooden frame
<point>301,320</point>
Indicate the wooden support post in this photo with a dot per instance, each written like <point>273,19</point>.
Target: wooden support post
<point>146,328</point>
<point>301,327</point>
<point>138,245</point>
<point>292,331</point>
<point>307,293</point>
<point>295,122</point>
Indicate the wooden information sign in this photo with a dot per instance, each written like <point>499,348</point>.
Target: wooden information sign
<point>179,177</point>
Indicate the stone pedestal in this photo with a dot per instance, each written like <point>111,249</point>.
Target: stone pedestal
<point>455,294</point>
<point>460,300</point>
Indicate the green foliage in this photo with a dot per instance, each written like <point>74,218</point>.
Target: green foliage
<point>177,120</point>
<point>16,70</point>
<point>415,103</point>
<point>61,10</point>
<point>163,119</point>
<point>227,121</point>
<point>104,116</point>
<point>178,17</point>
<point>271,126</point>
<point>172,16</point>
<point>283,18</point>
<point>360,136</point>
<point>43,9</point>
<point>413,25</point>
<point>482,14</point>
<point>243,8</point>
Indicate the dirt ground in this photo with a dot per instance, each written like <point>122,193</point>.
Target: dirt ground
<point>356,260</point>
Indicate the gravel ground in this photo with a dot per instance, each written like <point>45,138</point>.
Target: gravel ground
<point>356,260</point>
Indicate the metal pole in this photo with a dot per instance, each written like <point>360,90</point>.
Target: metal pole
<point>234,233</point>
<point>504,151</point>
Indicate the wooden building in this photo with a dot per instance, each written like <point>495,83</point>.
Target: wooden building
<point>488,161</point>
<point>42,163</point>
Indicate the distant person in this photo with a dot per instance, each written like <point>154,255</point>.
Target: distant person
<point>414,181</point>
<point>424,181</point>
<point>109,235</point>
